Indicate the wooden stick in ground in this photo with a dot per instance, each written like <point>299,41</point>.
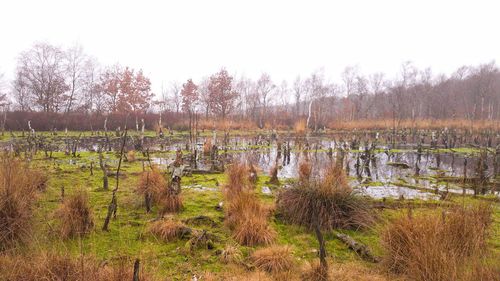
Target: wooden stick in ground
<point>136,270</point>
<point>113,204</point>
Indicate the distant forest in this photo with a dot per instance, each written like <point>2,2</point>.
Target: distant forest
<point>58,88</point>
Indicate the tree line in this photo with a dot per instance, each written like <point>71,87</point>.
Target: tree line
<point>54,80</point>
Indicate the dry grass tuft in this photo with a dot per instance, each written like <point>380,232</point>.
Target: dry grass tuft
<point>245,215</point>
<point>18,189</point>
<point>75,215</point>
<point>130,156</point>
<point>315,272</point>
<point>154,187</point>
<point>39,179</point>
<point>305,170</point>
<point>231,254</point>
<point>207,147</point>
<point>170,202</point>
<point>253,230</point>
<point>437,246</point>
<point>330,201</point>
<point>238,180</point>
<point>273,259</point>
<point>169,230</point>
<point>152,183</point>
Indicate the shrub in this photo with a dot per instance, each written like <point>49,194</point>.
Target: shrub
<point>437,246</point>
<point>75,215</point>
<point>168,230</point>
<point>273,259</point>
<point>18,188</point>
<point>330,201</point>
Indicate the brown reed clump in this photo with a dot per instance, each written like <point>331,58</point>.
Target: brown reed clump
<point>75,216</point>
<point>237,180</point>
<point>18,189</point>
<point>305,170</point>
<point>247,217</point>
<point>437,246</point>
<point>330,202</point>
<point>152,183</point>
<point>207,147</point>
<point>130,156</point>
<point>169,230</point>
<point>273,259</point>
<point>169,202</point>
<point>300,127</point>
<point>156,189</point>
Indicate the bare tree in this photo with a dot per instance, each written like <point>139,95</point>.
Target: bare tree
<point>74,68</point>
<point>298,90</point>
<point>175,95</point>
<point>263,89</point>
<point>349,78</point>
<point>40,70</point>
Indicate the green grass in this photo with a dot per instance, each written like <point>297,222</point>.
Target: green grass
<point>128,234</point>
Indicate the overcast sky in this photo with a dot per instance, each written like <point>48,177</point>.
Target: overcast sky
<point>191,39</point>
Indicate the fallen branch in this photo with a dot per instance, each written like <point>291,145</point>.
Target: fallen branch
<point>361,249</point>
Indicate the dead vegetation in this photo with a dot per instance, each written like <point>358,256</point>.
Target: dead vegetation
<point>56,266</point>
<point>245,215</point>
<point>169,230</point>
<point>343,272</point>
<point>330,200</point>
<point>273,259</point>
<point>156,189</point>
<point>231,254</point>
<point>438,246</point>
<point>238,180</point>
<point>18,190</point>
<point>75,216</point>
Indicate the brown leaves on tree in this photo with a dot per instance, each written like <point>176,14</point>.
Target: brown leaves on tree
<point>126,90</point>
<point>189,94</point>
<point>221,95</point>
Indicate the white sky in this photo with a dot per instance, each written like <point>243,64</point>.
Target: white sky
<point>177,40</point>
